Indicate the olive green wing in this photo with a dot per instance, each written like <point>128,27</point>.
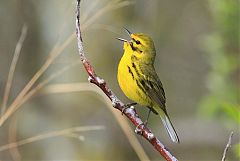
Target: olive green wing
<point>154,89</point>
<point>153,86</point>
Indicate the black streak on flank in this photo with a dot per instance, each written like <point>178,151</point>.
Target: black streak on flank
<point>136,70</point>
<point>130,71</point>
<point>139,85</point>
<point>143,84</point>
<point>134,58</point>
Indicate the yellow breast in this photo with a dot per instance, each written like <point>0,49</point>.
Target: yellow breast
<point>127,78</point>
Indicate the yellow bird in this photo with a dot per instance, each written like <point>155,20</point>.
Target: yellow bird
<point>139,81</point>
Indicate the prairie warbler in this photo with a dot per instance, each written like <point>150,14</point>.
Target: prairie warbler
<point>139,81</point>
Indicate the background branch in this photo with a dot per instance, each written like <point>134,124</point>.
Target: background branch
<point>13,67</point>
<point>50,135</point>
<point>130,112</point>
<point>227,146</point>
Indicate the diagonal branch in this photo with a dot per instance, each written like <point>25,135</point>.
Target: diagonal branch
<point>130,113</point>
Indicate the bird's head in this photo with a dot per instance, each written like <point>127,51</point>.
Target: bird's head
<point>140,45</point>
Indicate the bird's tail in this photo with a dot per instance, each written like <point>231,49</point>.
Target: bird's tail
<point>169,127</point>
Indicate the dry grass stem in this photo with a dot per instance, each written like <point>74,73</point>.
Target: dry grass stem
<point>52,56</point>
<point>13,67</point>
<point>50,135</point>
<point>31,93</point>
<point>78,87</point>
<point>12,137</point>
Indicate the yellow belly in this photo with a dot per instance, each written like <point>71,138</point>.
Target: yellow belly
<point>129,86</point>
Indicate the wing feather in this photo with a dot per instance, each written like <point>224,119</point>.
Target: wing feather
<point>153,87</point>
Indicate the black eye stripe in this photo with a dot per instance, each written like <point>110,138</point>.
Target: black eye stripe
<point>137,41</point>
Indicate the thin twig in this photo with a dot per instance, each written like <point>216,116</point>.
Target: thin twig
<point>227,146</point>
<point>130,112</point>
<point>13,67</point>
<point>50,135</point>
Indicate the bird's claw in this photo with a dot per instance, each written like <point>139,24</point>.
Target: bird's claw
<point>126,106</point>
<point>138,130</point>
<point>123,109</point>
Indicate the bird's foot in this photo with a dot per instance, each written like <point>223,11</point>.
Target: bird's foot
<point>144,124</point>
<point>140,131</point>
<point>128,105</point>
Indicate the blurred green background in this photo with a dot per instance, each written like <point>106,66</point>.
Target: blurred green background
<point>198,61</point>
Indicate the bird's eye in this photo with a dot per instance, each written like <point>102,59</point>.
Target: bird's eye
<point>138,42</point>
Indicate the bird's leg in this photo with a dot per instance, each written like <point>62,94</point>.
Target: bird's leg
<point>145,122</point>
<point>137,130</point>
<point>128,105</point>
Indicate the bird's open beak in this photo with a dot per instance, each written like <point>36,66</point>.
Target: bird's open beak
<point>121,39</point>
<point>129,34</point>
